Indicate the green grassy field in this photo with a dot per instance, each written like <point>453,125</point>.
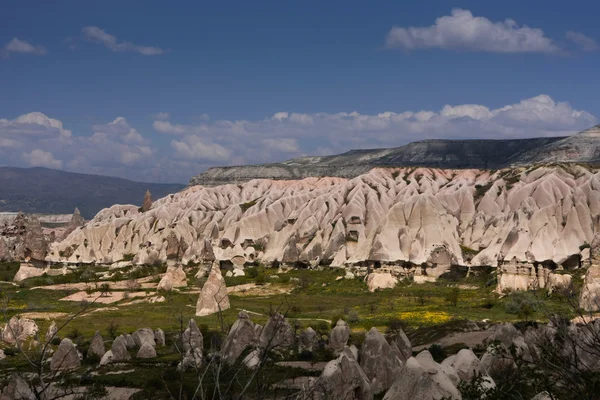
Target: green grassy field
<point>314,298</point>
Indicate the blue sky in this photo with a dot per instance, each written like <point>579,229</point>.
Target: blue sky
<point>159,91</point>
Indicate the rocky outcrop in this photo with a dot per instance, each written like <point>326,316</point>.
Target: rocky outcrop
<point>17,389</point>
<point>539,218</point>
<point>147,203</point>
<point>589,298</point>
<point>241,336</point>
<point>379,362</point>
<point>338,339</point>
<point>401,345</point>
<point>65,357</point>
<point>76,221</point>
<point>213,296</point>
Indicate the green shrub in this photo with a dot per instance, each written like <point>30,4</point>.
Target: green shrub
<point>522,304</point>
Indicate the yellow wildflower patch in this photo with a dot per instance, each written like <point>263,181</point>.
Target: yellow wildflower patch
<point>425,317</point>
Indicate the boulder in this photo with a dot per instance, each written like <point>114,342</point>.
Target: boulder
<point>144,336</point>
<point>379,363</point>
<point>19,329</point>
<point>338,339</point>
<point>146,351</point>
<point>589,299</point>
<point>174,277</point>
<point>2,355</point>
<point>213,297</point>
<point>241,336</point>
<point>342,378</point>
<point>542,396</point>
<point>119,349</point>
<point>97,347</point>
<point>277,333</point>
<point>504,333</point>
<point>252,360</point>
<point>159,337</point>
<point>381,280</point>
<point>308,339</point>
<point>65,357</point>
<point>51,332</point>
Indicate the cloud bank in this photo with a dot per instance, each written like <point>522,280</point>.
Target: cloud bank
<point>118,148</point>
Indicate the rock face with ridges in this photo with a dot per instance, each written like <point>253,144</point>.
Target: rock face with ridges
<point>213,296</point>
<point>391,217</point>
<point>97,347</point>
<point>241,335</point>
<point>19,329</point>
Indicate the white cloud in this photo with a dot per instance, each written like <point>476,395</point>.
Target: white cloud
<point>161,116</point>
<point>194,148</point>
<point>282,145</point>
<point>23,47</point>
<point>120,130</point>
<point>582,41</point>
<point>463,31</point>
<point>33,124</point>
<point>98,35</point>
<point>41,158</point>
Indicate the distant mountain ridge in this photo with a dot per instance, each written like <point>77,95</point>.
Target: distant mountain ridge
<point>448,154</point>
<point>48,191</point>
<point>494,154</point>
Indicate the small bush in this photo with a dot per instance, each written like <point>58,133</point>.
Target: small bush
<point>522,304</point>
<point>113,330</point>
<point>75,334</point>
<point>452,296</point>
<point>260,279</point>
<point>437,352</point>
<point>128,256</point>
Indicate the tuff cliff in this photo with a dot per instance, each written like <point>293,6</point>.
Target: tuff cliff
<point>389,216</point>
